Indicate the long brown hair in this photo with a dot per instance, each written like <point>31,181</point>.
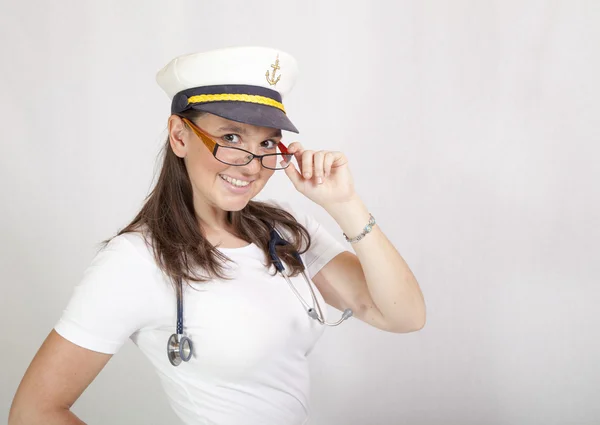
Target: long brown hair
<point>168,220</point>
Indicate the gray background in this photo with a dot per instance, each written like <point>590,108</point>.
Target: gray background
<point>472,131</point>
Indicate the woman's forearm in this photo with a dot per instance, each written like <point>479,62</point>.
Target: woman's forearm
<point>31,416</point>
<point>392,285</point>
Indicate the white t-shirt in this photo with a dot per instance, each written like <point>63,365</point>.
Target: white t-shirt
<point>251,335</point>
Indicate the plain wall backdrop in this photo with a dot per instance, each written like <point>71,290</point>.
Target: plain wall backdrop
<point>472,130</point>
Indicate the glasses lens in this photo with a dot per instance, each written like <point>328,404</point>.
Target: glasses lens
<point>233,156</point>
<point>277,161</point>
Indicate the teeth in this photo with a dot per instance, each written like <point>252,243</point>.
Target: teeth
<point>235,182</point>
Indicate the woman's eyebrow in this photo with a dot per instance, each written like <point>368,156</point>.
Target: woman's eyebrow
<point>243,132</point>
<point>233,129</point>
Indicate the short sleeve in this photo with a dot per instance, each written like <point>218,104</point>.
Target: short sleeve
<point>111,301</point>
<point>324,247</point>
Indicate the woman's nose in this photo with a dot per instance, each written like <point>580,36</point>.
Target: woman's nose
<point>253,166</point>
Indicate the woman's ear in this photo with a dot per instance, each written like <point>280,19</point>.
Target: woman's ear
<point>177,136</point>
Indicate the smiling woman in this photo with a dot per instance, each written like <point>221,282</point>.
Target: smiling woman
<point>235,170</point>
<point>246,267</point>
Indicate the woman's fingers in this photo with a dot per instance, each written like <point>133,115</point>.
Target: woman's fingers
<point>312,164</point>
<point>318,166</point>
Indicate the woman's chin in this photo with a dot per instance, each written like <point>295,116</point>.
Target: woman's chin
<point>234,203</point>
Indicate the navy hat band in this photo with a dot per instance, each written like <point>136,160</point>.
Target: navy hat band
<point>186,99</point>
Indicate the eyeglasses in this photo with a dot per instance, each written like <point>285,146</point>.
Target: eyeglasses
<point>236,156</point>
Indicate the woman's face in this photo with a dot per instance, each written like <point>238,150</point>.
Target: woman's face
<point>215,184</point>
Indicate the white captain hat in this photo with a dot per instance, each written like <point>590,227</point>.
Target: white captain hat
<point>244,84</point>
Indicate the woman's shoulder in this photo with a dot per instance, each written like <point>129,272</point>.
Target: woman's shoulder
<point>135,244</point>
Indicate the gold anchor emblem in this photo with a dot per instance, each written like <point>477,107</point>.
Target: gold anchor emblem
<point>271,79</point>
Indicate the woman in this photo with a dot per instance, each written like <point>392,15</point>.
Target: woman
<point>199,256</point>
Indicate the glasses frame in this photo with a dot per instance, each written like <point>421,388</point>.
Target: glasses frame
<point>212,145</point>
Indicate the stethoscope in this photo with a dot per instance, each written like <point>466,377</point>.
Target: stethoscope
<point>180,348</point>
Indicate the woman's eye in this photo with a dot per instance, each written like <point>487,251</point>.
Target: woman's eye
<point>231,138</point>
<point>270,144</point>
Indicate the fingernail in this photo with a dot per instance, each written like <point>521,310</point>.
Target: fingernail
<point>320,180</point>
<point>307,175</point>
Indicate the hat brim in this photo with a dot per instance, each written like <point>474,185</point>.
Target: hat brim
<point>249,113</point>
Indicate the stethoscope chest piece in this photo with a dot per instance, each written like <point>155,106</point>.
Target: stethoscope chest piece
<point>179,348</point>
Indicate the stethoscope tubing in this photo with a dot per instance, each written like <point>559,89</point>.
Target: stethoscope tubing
<point>180,348</point>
